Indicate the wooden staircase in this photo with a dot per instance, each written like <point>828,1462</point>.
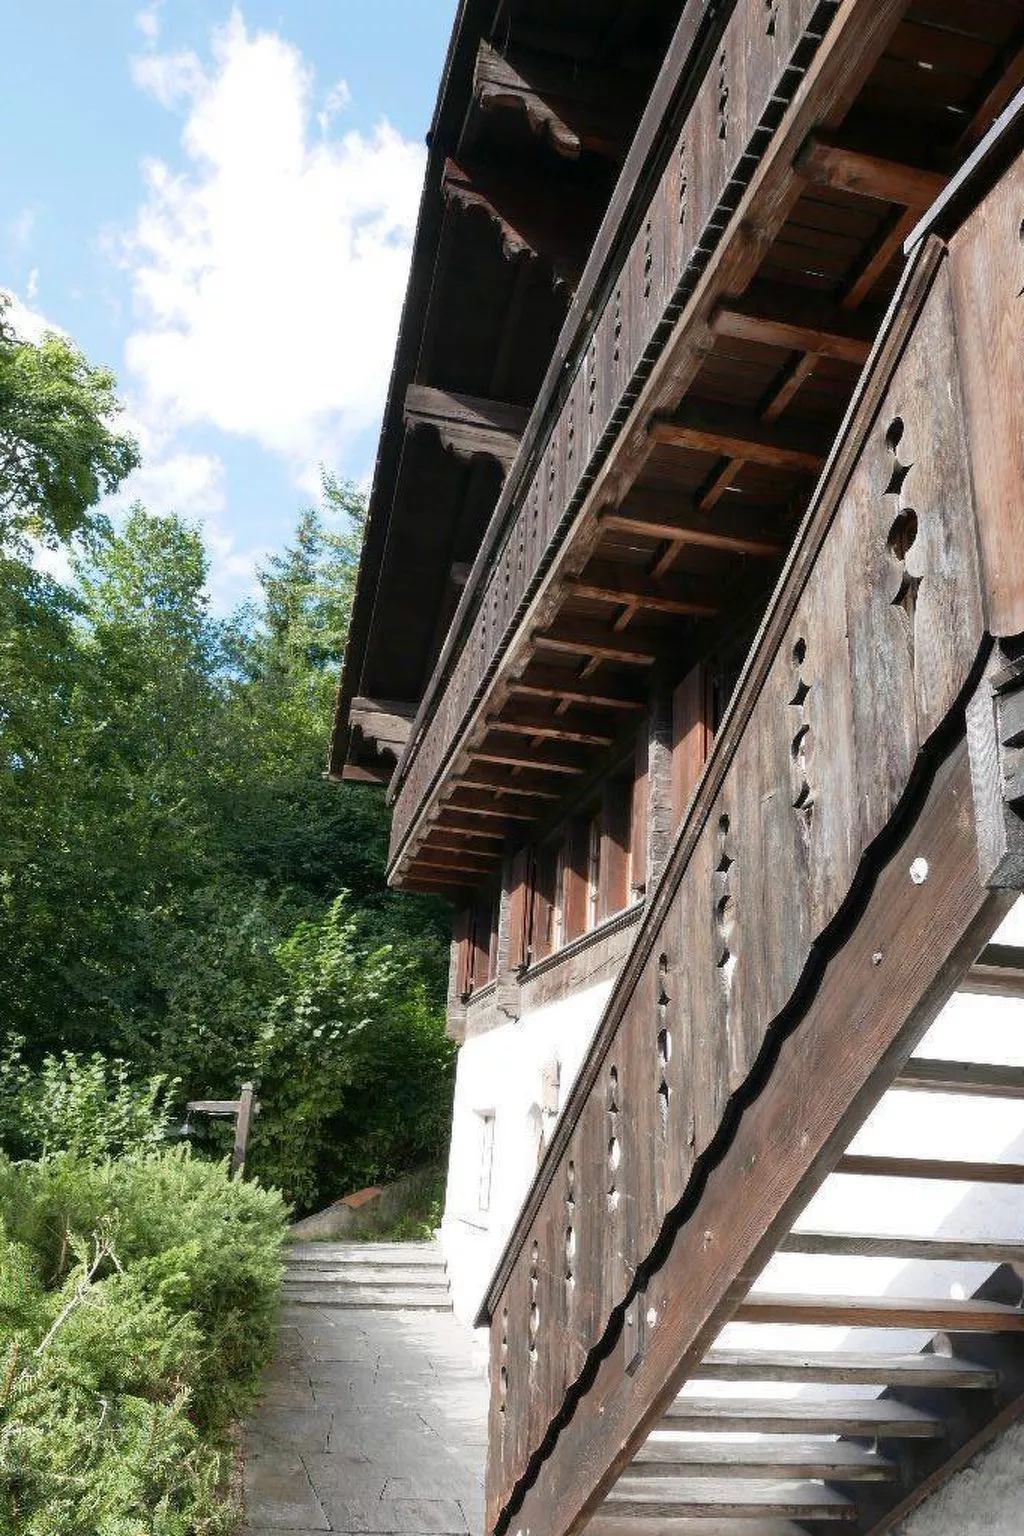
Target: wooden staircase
<point>382,1276</point>
<point>863,1366</point>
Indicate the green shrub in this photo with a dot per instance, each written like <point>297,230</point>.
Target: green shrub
<point>137,1305</point>
<point>89,1107</point>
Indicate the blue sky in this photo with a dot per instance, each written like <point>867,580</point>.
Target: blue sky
<point>218,201</point>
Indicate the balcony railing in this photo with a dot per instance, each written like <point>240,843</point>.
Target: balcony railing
<point>906,565</point>
<point>742,64</point>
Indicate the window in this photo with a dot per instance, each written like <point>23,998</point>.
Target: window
<point>483,1198</point>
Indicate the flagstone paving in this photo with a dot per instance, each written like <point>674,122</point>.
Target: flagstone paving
<point>373,1421</point>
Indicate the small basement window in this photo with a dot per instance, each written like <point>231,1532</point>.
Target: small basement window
<point>483,1199</point>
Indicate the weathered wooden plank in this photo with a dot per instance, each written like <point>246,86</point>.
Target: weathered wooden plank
<point>465,424</point>
<point>843,1368</point>
<point>882,1245</point>
<point>998,972</point>
<point>881,1312</point>
<point>931,1168</point>
<point>657,516</point>
<point>556,727</point>
<point>884,1418</point>
<point>707,1497</point>
<point>578,639</point>
<point>803,323</point>
<point>724,430</point>
<point>553,683</point>
<point>848,170</point>
<point>762,1458</point>
<point>606,582</point>
<point>537,761</point>
<point>962,1077</point>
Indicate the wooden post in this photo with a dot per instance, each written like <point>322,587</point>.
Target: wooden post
<point>995,733</point>
<point>243,1118</point>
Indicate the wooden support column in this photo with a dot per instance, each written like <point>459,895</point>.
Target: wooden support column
<point>692,735</point>
<point>513,931</point>
<point>616,805</point>
<point>455,1018</point>
<point>659,783</point>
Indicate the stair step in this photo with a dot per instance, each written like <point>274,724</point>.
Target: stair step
<point>402,1279</point>
<point>881,1312</point>
<point>843,1368</point>
<point>833,1416</point>
<point>417,1255</point>
<point>366,1297</point>
<point>871,1245</point>
<point>829,1459</point>
<point>708,1498</point>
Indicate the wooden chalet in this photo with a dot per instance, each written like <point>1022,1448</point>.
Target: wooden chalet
<point>689,640</point>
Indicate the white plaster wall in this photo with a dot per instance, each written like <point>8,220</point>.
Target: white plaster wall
<point>985,1499</point>
<point>502,1072</point>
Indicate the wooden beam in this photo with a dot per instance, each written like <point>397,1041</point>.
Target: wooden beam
<point>797,322</point>
<point>884,1418</point>
<point>552,223</point>
<point>606,582</point>
<point>840,1367</point>
<point>931,1168</point>
<point>511,757</point>
<point>571,106</point>
<point>706,1498</point>
<point>464,826</point>
<point>963,1077</point>
<point>467,802</point>
<point>424,860</point>
<point>465,424</point>
<point>386,721</point>
<point>555,727</point>
<point>656,515</point>
<point>492,777</point>
<point>848,170</point>
<point>872,1245</point>
<point>575,639</point>
<point>735,434</point>
<point>542,682</point>
<point>936,1316</point>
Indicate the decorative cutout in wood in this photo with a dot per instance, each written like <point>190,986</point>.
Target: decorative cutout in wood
<point>614,1145</point>
<point>800,746</point>
<point>534,1329</point>
<point>903,529</point>
<point>723,95</point>
<point>725,914</point>
<point>684,182</point>
<point>664,1045</point>
<point>617,326</point>
<point>592,377</point>
<point>648,259</point>
<point>503,1372</point>
<point>570,1229</point>
<point>773,16</point>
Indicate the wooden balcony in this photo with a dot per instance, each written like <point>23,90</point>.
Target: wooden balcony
<point>716,337</point>
<point>851,847</point>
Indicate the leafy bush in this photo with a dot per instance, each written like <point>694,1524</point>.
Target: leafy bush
<point>91,1108</point>
<point>360,1065</point>
<point>137,1304</point>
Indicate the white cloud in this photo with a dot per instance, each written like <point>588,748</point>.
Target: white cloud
<point>191,484</point>
<point>148,22</point>
<point>339,99</point>
<point>22,228</point>
<point>268,272</point>
<point>32,286</point>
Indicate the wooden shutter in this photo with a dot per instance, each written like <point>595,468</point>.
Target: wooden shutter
<point>519,911</point>
<point>542,901</point>
<point>574,895</point>
<point>692,733</point>
<point>616,806</point>
<point>462,935</point>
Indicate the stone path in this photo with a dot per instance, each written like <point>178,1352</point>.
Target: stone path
<point>375,1408</point>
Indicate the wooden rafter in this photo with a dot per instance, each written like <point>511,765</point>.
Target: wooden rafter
<point>843,169</point>
<point>575,639</point>
<point>535,724</point>
<point>731,433</point>
<point>543,682</point>
<point>606,582</point>
<point>655,515</point>
<point>797,322</point>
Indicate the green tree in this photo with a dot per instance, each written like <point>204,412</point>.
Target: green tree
<point>58,452</point>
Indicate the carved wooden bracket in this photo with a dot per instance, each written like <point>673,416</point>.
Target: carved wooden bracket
<point>995,733</point>
<point>528,226</point>
<point>572,107</point>
<point>466,425</point>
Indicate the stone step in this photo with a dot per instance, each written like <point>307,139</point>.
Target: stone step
<point>397,1278</point>
<point>412,1255</point>
<point>367,1296</point>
